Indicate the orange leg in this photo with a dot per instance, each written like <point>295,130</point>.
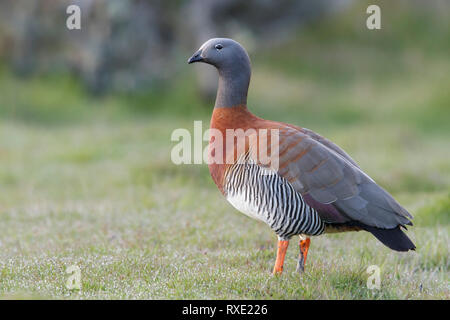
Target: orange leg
<point>281,253</point>
<point>304,247</point>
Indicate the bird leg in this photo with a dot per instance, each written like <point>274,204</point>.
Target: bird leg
<point>304,246</point>
<point>281,253</point>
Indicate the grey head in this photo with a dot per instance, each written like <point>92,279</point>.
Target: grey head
<point>233,65</point>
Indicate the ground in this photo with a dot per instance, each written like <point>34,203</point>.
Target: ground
<point>88,181</point>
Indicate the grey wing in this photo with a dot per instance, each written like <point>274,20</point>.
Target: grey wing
<point>327,174</point>
<point>329,144</point>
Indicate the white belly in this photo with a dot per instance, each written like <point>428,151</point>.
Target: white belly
<point>246,207</point>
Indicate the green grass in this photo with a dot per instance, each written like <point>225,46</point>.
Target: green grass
<point>88,181</point>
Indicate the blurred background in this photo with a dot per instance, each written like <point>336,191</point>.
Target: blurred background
<point>86,118</point>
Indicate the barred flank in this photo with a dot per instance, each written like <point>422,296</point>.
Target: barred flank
<point>269,197</point>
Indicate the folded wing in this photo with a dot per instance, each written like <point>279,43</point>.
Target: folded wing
<point>319,169</point>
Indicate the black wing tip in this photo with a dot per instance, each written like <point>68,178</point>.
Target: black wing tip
<point>394,238</point>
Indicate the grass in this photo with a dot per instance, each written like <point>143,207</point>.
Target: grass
<point>88,181</point>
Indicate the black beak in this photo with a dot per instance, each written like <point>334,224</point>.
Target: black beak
<point>196,57</point>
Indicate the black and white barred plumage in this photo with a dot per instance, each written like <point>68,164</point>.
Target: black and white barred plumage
<point>265,195</point>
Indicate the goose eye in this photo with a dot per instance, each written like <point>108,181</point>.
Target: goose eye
<point>218,46</point>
